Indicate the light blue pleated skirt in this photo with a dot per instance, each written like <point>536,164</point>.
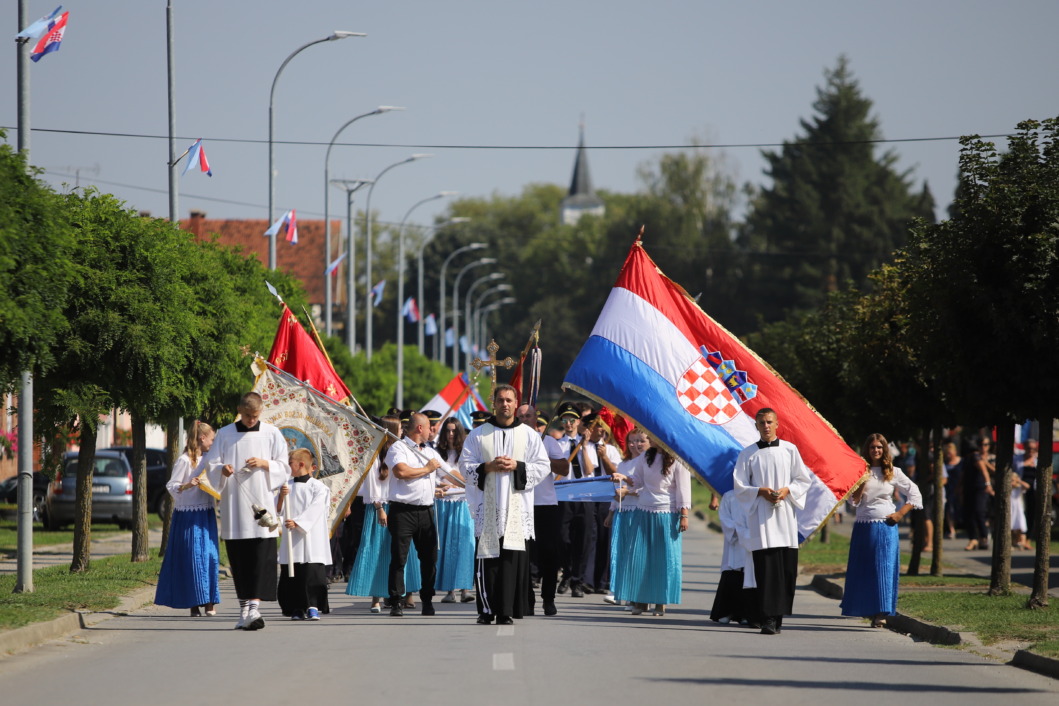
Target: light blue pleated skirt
<point>872,571</point>
<point>654,565</point>
<point>371,569</point>
<point>189,570</point>
<point>620,540</point>
<point>456,538</point>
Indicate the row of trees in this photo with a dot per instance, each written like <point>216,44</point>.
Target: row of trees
<point>108,309</point>
<point>961,328</point>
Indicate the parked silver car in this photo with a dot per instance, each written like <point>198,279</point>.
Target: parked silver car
<point>111,491</point>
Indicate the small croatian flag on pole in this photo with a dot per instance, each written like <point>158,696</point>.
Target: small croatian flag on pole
<point>290,221</point>
<point>41,26</point>
<point>197,158</point>
<point>410,310</point>
<point>377,291</point>
<point>333,267</point>
<point>51,37</point>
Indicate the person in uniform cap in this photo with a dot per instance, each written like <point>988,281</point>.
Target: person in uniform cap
<point>434,417</point>
<point>542,422</point>
<point>571,516</point>
<point>478,418</point>
<point>404,415</point>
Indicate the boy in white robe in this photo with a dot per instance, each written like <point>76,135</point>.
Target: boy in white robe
<point>771,481</point>
<point>305,542</point>
<point>247,464</point>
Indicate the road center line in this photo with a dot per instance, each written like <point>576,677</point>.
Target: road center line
<point>505,630</point>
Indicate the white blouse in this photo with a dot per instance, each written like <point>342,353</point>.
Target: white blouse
<point>657,492</point>
<point>189,498</point>
<point>877,500</point>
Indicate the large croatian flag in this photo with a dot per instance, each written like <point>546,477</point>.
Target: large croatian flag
<point>656,357</point>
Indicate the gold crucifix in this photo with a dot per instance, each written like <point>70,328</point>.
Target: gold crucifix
<point>491,361</point>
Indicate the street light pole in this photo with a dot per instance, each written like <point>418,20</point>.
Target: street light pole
<point>369,305</point>
<point>419,290</point>
<point>328,304</point>
<point>350,186</point>
<point>399,396</point>
<point>470,333</point>
<point>271,97</point>
<point>456,308</point>
<point>441,296</point>
<point>492,307</point>
<point>477,308</point>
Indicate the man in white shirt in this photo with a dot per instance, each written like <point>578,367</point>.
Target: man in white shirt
<point>771,481</point>
<point>502,462</point>
<point>411,518</point>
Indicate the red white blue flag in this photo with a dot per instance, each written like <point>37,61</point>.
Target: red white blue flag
<point>51,30</point>
<point>197,158</point>
<point>659,360</point>
<point>42,26</point>
<point>410,311</point>
<point>377,292</point>
<point>333,267</point>
<point>289,222</point>
<point>458,398</point>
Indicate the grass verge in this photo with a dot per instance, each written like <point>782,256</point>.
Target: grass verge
<point>46,538</point>
<point>57,591</point>
<point>994,619</point>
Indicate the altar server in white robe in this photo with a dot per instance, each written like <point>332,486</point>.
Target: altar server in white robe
<point>771,482</point>
<point>306,541</point>
<point>502,461</point>
<point>247,464</point>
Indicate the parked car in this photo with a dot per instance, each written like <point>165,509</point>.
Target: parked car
<point>157,475</point>
<point>9,493</point>
<point>111,491</point>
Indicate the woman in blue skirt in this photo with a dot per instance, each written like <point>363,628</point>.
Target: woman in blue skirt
<point>455,525</point>
<point>188,578</point>
<point>371,568</point>
<point>621,510</point>
<point>874,548</point>
<point>654,532</point>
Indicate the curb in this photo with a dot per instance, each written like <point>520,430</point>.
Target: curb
<point>34,634</point>
<point>935,634</point>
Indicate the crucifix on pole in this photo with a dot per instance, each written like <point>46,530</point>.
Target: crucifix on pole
<point>492,362</point>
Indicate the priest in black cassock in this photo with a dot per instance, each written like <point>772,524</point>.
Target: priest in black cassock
<point>502,461</point>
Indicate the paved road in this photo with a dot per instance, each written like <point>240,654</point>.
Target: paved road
<point>590,653</point>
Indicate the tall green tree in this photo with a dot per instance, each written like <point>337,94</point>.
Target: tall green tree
<point>35,269</point>
<point>835,210</point>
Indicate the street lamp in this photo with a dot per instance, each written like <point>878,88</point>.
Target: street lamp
<point>456,308</point>
<point>419,260</point>
<point>477,309</point>
<point>492,277</point>
<point>350,186</point>
<point>399,401</point>
<point>492,307</point>
<point>370,303</point>
<point>441,296</point>
<point>327,212</point>
<point>271,96</point>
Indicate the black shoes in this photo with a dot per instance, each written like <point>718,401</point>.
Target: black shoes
<point>549,608</point>
<point>563,586</point>
<point>504,620</point>
<point>428,608</point>
<point>769,627</point>
<point>397,611</point>
<point>576,591</point>
<point>484,619</point>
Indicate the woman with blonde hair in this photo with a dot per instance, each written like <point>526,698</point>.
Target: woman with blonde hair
<point>188,578</point>
<point>875,550</point>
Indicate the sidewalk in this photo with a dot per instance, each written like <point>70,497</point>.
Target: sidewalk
<point>63,554</point>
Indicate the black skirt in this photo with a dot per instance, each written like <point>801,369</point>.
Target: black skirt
<point>253,563</point>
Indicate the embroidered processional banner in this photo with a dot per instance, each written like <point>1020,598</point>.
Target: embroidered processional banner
<point>343,443</point>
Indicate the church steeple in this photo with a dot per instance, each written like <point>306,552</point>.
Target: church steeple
<point>581,199</point>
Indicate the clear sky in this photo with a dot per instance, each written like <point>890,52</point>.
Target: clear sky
<point>476,75</point>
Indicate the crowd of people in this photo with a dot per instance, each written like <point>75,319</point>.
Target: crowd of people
<point>476,515</point>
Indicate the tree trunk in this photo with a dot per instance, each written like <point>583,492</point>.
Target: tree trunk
<point>86,461</point>
<point>172,453</point>
<point>139,488</point>
<point>1000,575</point>
<point>939,505</point>
<point>1043,511</point>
